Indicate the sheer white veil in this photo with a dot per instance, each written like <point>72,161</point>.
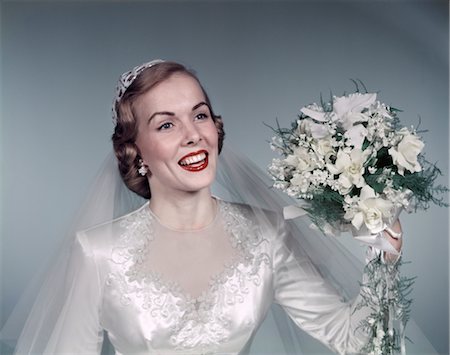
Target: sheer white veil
<point>34,319</point>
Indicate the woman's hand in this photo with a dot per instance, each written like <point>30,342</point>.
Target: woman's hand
<point>394,236</point>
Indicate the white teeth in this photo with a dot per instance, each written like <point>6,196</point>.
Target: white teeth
<point>193,159</point>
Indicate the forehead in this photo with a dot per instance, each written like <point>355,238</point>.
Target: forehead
<point>178,92</point>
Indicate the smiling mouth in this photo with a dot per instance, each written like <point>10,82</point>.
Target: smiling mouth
<point>196,161</point>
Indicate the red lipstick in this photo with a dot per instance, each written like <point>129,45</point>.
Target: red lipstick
<point>196,161</point>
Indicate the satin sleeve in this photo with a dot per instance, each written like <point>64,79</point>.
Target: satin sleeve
<point>77,328</point>
<point>311,302</point>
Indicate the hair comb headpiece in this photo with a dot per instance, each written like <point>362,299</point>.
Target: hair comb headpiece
<point>125,80</point>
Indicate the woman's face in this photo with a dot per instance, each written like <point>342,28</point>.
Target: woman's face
<point>177,137</point>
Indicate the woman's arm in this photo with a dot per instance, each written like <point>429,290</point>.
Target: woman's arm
<point>77,328</point>
<point>312,303</point>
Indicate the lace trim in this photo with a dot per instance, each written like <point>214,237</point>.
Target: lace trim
<point>196,322</point>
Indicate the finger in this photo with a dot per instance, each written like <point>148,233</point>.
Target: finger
<point>393,234</point>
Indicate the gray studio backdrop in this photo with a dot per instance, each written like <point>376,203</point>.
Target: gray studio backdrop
<point>259,60</point>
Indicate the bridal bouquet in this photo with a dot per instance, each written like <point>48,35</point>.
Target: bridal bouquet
<point>354,167</point>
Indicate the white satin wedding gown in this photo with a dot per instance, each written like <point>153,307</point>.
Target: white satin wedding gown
<point>156,290</point>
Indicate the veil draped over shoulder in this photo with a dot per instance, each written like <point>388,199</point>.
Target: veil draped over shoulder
<point>37,317</point>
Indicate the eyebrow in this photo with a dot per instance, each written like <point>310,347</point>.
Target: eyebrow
<point>167,113</point>
<point>200,104</point>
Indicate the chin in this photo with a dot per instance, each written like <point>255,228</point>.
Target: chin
<point>201,183</point>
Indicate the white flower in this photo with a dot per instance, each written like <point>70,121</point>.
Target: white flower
<point>372,210</point>
<point>300,181</point>
<point>380,333</point>
<point>405,156</point>
<point>319,130</point>
<point>276,144</point>
<point>309,127</point>
<point>350,207</point>
<point>323,147</point>
<point>400,198</point>
<point>355,135</point>
<point>316,112</point>
<point>350,168</point>
<point>276,169</point>
<point>348,109</point>
<point>301,160</point>
<point>319,177</point>
<point>281,185</point>
<point>303,127</point>
<point>380,110</point>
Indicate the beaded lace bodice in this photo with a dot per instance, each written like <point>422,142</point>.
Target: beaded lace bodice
<point>196,318</point>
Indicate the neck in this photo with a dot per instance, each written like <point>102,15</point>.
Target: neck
<point>184,210</point>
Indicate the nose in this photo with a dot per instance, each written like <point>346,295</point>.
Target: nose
<point>191,134</point>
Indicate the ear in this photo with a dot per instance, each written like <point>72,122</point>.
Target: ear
<point>138,152</point>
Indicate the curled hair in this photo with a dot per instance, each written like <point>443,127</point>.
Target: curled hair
<point>126,130</point>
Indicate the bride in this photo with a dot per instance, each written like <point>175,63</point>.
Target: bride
<point>185,273</point>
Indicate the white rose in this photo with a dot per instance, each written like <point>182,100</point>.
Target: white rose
<point>290,160</point>
<point>372,211</point>
<point>301,160</point>
<point>323,147</point>
<point>405,156</point>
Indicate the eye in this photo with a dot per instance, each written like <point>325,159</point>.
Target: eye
<point>165,125</point>
<point>201,116</point>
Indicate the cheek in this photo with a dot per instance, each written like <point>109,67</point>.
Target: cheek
<point>212,135</point>
<point>215,139</point>
<point>160,153</point>
<point>153,150</point>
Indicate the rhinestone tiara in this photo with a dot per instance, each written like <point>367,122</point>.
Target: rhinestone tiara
<point>125,80</point>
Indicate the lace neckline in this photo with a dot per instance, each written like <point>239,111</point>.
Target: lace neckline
<point>136,240</point>
<point>205,299</point>
<point>161,224</point>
